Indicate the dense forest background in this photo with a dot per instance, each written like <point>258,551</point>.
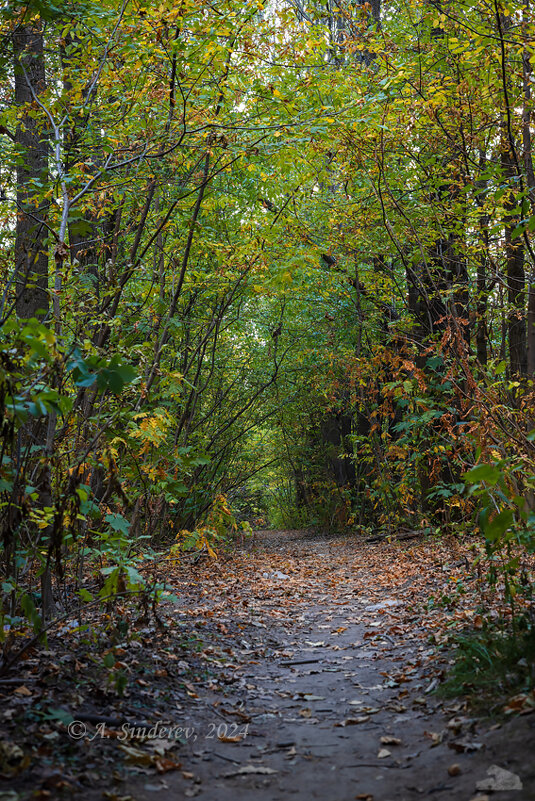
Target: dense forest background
<point>262,263</point>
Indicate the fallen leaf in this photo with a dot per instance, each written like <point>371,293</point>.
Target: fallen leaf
<point>387,739</point>
<point>161,746</point>
<point>22,691</point>
<point>353,721</point>
<point>135,755</point>
<point>250,769</point>
<point>164,765</point>
<point>13,760</point>
<point>383,753</point>
<point>499,779</point>
<point>523,703</point>
<point>435,737</point>
<point>464,747</point>
<point>238,713</point>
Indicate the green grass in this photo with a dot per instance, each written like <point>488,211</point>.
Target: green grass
<point>491,665</point>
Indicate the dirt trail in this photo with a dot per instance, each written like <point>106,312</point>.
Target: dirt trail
<point>321,684</point>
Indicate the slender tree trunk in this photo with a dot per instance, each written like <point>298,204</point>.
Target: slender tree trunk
<point>481,331</point>
<point>516,282</point>
<point>531,327</point>
<point>527,110</point>
<point>482,334</point>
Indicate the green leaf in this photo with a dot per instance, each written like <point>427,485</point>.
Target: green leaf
<point>134,577</point>
<point>483,472</point>
<point>118,523</point>
<point>28,607</point>
<point>499,525</point>
<point>109,660</point>
<point>115,376</point>
<point>59,714</point>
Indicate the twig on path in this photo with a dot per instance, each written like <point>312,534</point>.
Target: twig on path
<point>401,537</point>
<point>226,758</point>
<point>95,719</point>
<point>376,765</point>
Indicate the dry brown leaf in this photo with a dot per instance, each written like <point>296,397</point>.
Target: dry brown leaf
<point>435,737</point>
<point>353,721</point>
<point>136,756</point>
<point>238,713</point>
<point>164,765</point>
<point>524,703</point>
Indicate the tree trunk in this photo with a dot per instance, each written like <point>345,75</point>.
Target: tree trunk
<point>31,247</point>
<point>516,282</point>
<point>31,256</point>
<point>527,111</point>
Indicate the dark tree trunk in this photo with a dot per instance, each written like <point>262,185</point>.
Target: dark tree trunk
<point>516,280</point>
<point>31,255</point>
<point>531,327</point>
<point>31,245</point>
<point>482,334</point>
<point>527,112</point>
<point>335,430</point>
<point>516,296</point>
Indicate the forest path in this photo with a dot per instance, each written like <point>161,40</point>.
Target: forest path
<point>321,680</point>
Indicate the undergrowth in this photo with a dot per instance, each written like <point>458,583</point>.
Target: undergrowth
<point>492,665</point>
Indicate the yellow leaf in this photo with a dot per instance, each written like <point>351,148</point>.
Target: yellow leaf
<point>22,691</point>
